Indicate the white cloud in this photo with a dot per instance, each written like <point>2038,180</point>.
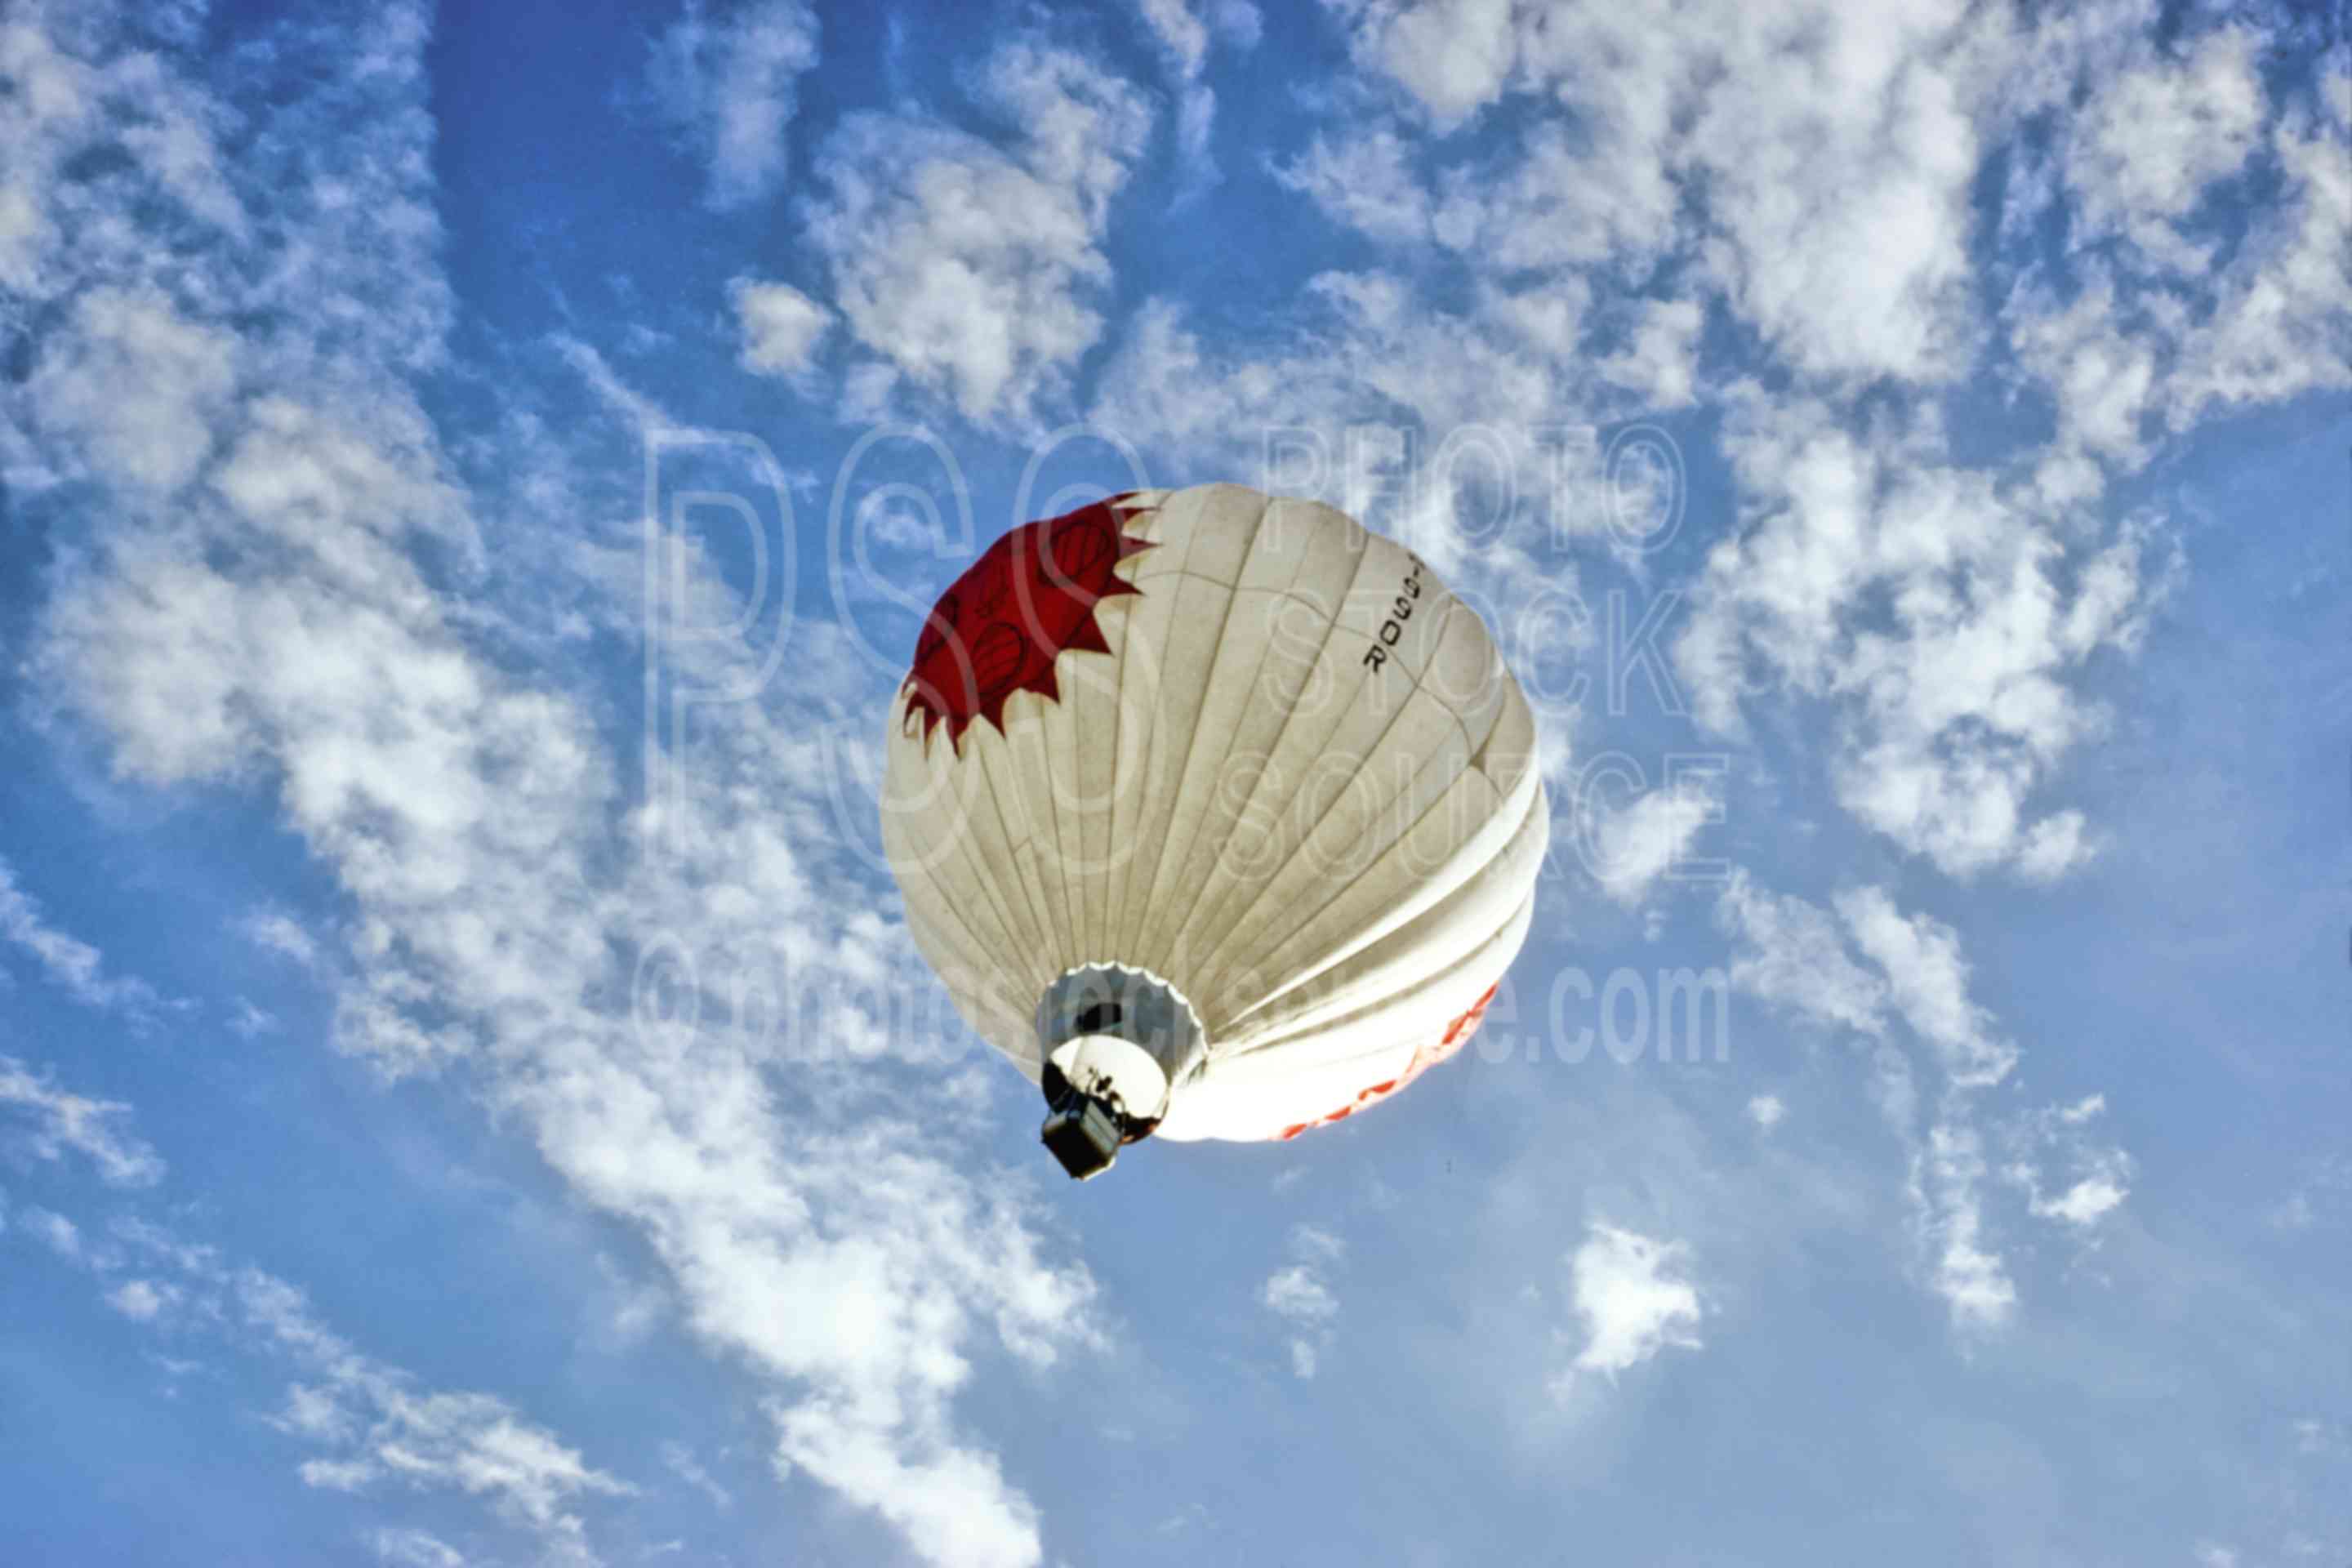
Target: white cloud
<point>1184,33</point>
<point>731,87</point>
<point>315,1413</point>
<point>250,1022</point>
<point>477,1445</point>
<point>1365,180</point>
<point>1300,1294</point>
<point>1837,223</point>
<point>1659,363</point>
<point>1239,22</point>
<point>1629,1291</point>
<point>781,327</point>
<point>277,931</point>
<point>2084,1203</point>
<point>1795,955</point>
<point>633,1306</point>
<point>2092,1178</point>
<point>1927,981</point>
<point>63,1121</point>
<point>52,1230</point>
<point>2054,846</point>
<point>1317,1244</point>
<point>2319,1193</point>
<point>1972,1278</point>
<point>2173,325</point>
<point>375,1425</point>
<point>970,267</point>
<point>1451,56</point>
<point>66,96</point>
<point>68,962</point>
<point>1952,714</point>
<point>142,1300</point>
<point>2105,383</point>
<point>1927,985</point>
<point>1637,845</point>
<point>2315,1438</point>
<point>642,414</point>
<point>414,1549</point>
<point>1549,208</point>
<point>2149,143</point>
<point>336,1475</point>
<point>1766,1111</point>
<point>1837,218</point>
<point>689,1469</point>
<point>2281,324</point>
<point>135,388</point>
<point>1792,954</point>
<point>1374,354</point>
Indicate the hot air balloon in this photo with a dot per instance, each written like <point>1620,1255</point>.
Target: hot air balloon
<point>1214,812</point>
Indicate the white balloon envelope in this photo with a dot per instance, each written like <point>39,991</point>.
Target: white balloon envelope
<point>1217,814</point>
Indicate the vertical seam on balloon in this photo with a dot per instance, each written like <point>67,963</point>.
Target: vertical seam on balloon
<point>1135,893</point>
<point>1011,848</point>
<point>1234,928</point>
<point>1132,918</point>
<point>957,848</point>
<point>1095,946</point>
<point>1114,888</point>
<point>1471,749</point>
<point>1286,913</point>
<point>1054,888</point>
<point>927,852</point>
<point>1061,720</point>
<point>1131,922</point>
<point>1093,938</point>
<point>993,940</point>
<point>975,862</point>
<point>966,952</point>
<point>1330,629</point>
<point>1192,903</point>
<point>1122,831</point>
<point>1234,594</point>
<point>1282,597</point>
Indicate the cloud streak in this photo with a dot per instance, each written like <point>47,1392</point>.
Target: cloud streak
<point>729,86</point>
<point>63,1122</point>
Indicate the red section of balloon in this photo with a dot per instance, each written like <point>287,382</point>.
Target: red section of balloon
<point>1000,627</point>
<point>1457,1035</point>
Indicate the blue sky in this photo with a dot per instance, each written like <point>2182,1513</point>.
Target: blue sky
<point>466,1096</point>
